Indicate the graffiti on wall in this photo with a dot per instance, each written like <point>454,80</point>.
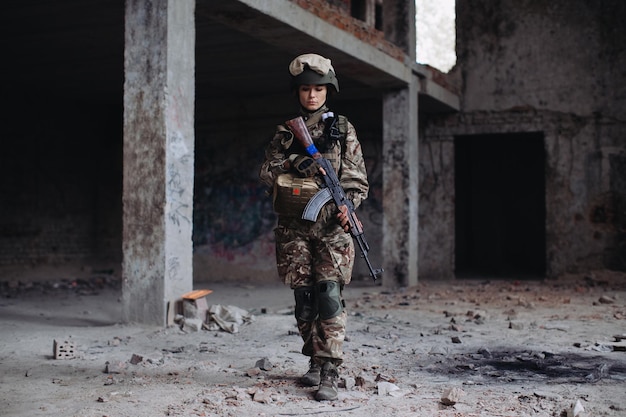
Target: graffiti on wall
<point>233,215</point>
<point>231,212</point>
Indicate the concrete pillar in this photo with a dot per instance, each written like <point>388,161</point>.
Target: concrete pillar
<point>158,157</point>
<point>400,187</point>
<point>400,156</point>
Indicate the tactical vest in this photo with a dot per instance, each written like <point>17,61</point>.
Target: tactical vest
<point>291,193</point>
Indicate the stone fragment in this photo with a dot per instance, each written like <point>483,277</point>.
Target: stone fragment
<point>547,395</point>
<point>576,410</point>
<point>155,358</point>
<point>605,299</point>
<point>560,327</point>
<point>398,393</point>
<point>383,377</point>
<point>135,359</point>
<point>115,368</point>
<point>192,325</point>
<point>485,352</point>
<point>456,339</point>
<point>261,396</point>
<point>348,383</point>
<point>438,350</point>
<point>384,388</point>
<point>213,399</point>
<point>618,346</point>
<point>264,364</point>
<point>364,381</point>
<point>452,395</point>
<point>195,305</point>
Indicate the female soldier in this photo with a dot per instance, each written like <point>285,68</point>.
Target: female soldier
<point>316,258</point>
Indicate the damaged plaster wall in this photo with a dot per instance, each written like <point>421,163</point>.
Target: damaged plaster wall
<point>549,67</point>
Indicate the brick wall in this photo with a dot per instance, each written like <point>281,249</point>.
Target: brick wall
<point>337,13</point>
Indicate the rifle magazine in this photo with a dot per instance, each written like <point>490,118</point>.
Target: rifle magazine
<point>315,204</point>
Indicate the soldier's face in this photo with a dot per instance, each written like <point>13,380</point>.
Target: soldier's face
<point>312,97</point>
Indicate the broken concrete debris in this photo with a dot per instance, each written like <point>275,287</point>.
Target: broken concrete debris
<point>135,359</point>
<point>452,396</point>
<point>394,367</point>
<point>347,382</point>
<point>262,396</point>
<point>227,318</point>
<point>576,410</point>
<point>195,304</point>
<point>198,315</point>
<point>114,367</point>
<point>385,388</point>
<point>264,364</point>
<point>608,346</point>
<point>192,325</point>
<point>605,299</point>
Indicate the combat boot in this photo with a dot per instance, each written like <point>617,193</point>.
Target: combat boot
<point>312,377</point>
<point>328,383</point>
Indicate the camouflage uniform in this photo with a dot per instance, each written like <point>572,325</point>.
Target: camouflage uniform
<point>308,253</point>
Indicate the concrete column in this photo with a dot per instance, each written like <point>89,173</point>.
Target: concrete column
<point>400,156</point>
<point>158,157</point>
<point>400,187</point>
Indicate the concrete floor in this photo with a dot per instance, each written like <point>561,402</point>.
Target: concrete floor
<point>510,348</point>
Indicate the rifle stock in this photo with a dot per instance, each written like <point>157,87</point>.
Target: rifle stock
<point>300,131</point>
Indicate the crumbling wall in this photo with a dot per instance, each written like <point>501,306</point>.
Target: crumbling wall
<point>550,67</point>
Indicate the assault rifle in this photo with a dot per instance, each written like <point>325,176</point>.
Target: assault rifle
<point>333,191</point>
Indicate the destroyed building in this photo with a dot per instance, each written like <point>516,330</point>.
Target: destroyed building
<point>133,133</point>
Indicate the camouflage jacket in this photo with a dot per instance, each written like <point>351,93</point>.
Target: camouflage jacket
<point>346,156</point>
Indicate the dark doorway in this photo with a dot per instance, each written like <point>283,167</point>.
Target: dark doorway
<point>500,206</point>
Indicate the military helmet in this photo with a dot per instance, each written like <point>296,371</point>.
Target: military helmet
<point>312,69</point>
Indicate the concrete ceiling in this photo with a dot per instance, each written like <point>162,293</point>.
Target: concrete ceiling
<point>75,49</point>
<point>254,47</point>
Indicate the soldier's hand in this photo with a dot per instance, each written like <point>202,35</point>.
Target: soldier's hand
<point>342,216</point>
<point>305,166</point>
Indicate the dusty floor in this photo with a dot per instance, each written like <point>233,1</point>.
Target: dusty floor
<point>523,348</point>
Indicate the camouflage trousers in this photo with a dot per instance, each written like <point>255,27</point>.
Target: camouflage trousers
<point>308,253</point>
<point>323,339</point>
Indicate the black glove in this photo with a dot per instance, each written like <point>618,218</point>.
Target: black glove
<point>305,166</point>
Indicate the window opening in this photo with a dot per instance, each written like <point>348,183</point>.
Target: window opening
<point>358,9</point>
<point>435,33</point>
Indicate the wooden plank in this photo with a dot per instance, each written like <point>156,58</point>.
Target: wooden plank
<point>195,294</point>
